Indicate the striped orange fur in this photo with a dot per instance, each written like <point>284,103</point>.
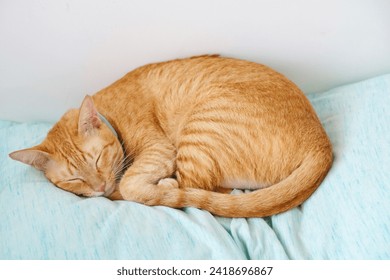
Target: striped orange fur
<point>189,131</point>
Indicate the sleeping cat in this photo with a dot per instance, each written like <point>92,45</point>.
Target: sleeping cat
<point>185,133</point>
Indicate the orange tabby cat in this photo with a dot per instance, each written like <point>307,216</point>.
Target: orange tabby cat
<point>192,130</point>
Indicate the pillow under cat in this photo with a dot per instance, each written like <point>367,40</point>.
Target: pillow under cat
<point>184,133</point>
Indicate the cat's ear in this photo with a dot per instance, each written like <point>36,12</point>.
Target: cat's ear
<point>32,156</point>
<point>89,119</point>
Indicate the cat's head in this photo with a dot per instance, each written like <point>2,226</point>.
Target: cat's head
<point>80,154</point>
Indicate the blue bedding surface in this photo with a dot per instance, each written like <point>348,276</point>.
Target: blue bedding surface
<point>348,217</point>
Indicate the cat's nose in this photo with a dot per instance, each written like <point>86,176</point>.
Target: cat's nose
<point>101,187</point>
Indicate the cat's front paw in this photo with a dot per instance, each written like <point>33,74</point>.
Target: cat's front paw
<point>137,190</point>
<point>168,183</point>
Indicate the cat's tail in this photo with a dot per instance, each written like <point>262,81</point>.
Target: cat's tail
<point>289,193</point>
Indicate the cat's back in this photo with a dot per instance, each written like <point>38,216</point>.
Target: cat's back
<point>189,81</point>
<point>206,69</point>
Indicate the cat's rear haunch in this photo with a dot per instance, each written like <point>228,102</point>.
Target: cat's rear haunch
<point>192,130</point>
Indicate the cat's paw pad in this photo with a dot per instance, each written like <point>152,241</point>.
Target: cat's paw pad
<point>168,182</point>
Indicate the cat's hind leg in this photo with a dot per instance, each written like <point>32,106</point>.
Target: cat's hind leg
<point>197,167</point>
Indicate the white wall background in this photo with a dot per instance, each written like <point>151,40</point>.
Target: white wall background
<point>52,53</point>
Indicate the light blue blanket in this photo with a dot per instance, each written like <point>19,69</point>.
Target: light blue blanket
<point>348,217</point>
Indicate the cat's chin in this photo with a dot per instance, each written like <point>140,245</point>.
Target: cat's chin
<point>97,194</point>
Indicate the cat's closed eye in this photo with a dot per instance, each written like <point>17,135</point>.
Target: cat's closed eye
<point>75,180</point>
